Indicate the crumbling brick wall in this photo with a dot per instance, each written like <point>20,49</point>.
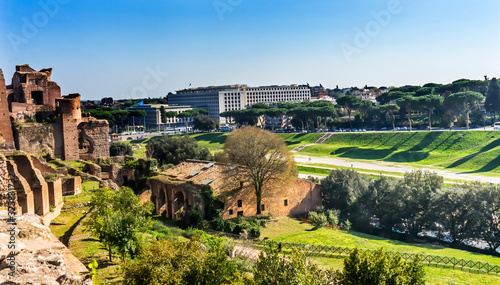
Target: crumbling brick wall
<point>97,133</point>
<point>6,136</point>
<point>35,138</point>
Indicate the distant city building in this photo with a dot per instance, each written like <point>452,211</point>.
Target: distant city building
<point>218,99</point>
<point>319,91</point>
<point>107,101</point>
<point>153,116</point>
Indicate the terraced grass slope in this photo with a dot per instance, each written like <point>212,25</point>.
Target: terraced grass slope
<point>474,151</point>
<point>215,141</point>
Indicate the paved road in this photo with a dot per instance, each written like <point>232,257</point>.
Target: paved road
<point>390,167</point>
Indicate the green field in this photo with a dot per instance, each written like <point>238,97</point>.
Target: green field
<point>294,231</point>
<point>474,151</point>
<point>470,151</point>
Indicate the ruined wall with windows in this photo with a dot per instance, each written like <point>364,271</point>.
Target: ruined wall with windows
<point>179,188</point>
<point>35,118</point>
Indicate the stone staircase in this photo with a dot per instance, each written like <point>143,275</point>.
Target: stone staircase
<point>324,138</point>
<point>300,147</point>
<point>320,140</point>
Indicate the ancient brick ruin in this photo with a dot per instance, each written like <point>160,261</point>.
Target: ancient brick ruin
<point>62,132</point>
<point>178,190</point>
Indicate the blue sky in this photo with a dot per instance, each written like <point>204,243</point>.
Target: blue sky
<point>125,48</point>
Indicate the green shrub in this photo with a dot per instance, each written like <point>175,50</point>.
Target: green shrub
<point>346,225</point>
<point>317,219</point>
<point>380,268</point>
<point>273,268</point>
<point>194,218</point>
<point>218,224</point>
<point>229,226</point>
<point>161,228</point>
<point>333,217</point>
<point>119,149</point>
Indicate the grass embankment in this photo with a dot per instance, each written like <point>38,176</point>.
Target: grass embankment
<point>474,151</point>
<point>84,247</point>
<point>294,231</point>
<point>215,141</point>
<point>79,242</point>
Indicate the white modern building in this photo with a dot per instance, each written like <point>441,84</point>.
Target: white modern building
<point>218,99</point>
<point>153,116</point>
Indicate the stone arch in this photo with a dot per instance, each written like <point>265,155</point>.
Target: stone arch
<point>85,146</point>
<point>161,203</point>
<point>178,203</point>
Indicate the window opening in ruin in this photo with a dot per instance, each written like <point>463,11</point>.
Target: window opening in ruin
<point>37,97</point>
<point>285,202</point>
<point>230,211</point>
<point>262,207</point>
<point>240,203</point>
<point>84,146</point>
<point>178,202</point>
<point>240,214</point>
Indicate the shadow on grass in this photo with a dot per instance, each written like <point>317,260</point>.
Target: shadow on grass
<point>67,235</point>
<point>408,156</point>
<point>212,137</point>
<point>493,164</point>
<point>366,153</point>
<point>426,141</point>
<point>488,147</point>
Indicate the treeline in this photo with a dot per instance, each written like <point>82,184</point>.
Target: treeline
<point>305,114</point>
<point>416,203</point>
<point>454,104</point>
<point>119,119</point>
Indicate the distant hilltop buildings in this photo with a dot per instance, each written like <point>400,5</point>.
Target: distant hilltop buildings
<point>218,99</point>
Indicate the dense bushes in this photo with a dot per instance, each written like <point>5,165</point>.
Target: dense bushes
<point>178,262</point>
<point>252,227</point>
<point>119,149</point>
<point>322,217</point>
<point>416,203</point>
<point>176,150</point>
<point>204,260</point>
<point>380,268</point>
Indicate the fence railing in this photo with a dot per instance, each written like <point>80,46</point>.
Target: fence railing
<point>429,260</point>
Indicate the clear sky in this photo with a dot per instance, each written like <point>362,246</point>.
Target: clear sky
<point>129,49</point>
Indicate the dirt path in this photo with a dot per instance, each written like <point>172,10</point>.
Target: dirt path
<point>246,250</point>
<point>389,167</point>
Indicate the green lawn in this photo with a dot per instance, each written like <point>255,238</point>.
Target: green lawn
<point>215,141</point>
<point>475,151</point>
<point>472,151</point>
<point>294,231</point>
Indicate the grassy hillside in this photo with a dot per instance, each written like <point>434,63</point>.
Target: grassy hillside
<point>215,141</point>
<point>475,151</point>
<point>291,230</point>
